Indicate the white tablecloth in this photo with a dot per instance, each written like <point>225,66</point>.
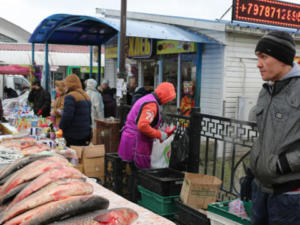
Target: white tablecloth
<point>146,216</point>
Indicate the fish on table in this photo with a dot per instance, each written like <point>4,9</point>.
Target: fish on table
<point>57,210</point>
<point>55,191</point>
<point>116,216</point>
<point>48,177</point>
<point>31,171</point>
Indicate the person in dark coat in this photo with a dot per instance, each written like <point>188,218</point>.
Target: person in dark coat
<point>10,93</point>
<point>110,104</point>
<point>76,117</point>
<point>40,99</point>
<point>138,93</point>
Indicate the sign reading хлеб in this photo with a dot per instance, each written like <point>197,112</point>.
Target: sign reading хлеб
<point>271,12</point>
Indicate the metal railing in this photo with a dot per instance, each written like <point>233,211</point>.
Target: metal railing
<point>219,146</point>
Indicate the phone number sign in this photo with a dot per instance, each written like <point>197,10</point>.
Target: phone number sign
<point>271,12</point>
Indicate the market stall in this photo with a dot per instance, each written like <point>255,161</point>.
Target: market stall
<point>28,178</point>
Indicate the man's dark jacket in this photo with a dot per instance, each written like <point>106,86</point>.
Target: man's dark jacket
<point>41,100</point>
<point>76,117</point>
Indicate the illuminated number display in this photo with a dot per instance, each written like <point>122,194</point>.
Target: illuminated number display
<point>270,12</point>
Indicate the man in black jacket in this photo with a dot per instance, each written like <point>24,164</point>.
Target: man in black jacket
<point>40,100</point>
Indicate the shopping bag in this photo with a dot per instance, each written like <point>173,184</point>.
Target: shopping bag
<point>180,151</point>
<point>160,155</point>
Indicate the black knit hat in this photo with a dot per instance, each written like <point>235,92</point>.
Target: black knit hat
<point>37,83</point>
<point>279,44</point>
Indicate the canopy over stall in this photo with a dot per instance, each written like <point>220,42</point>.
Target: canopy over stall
<point>73,30</point>
<point>15,69</point>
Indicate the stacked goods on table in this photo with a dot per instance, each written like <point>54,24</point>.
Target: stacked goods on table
<point>42,188</point>
<point>26,145</point>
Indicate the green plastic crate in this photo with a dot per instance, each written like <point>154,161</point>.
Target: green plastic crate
<point>222,209</point>
<point>162,205</point>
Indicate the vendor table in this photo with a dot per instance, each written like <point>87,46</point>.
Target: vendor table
<point>146,217</point>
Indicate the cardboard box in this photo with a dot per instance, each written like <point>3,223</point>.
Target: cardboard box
<point>93,161</point>
<point>98,136</point>
<point>78,150</point>
<point>198,190</point>
<point>79,166</point>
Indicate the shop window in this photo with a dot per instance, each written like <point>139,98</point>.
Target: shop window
<point>170,63</point>
<point>188,81</point>
<point>149,69</point>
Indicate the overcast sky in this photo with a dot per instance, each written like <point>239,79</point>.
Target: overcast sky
<point>29,13</point>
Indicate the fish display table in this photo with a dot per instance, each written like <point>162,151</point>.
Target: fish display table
<point>146,217</point>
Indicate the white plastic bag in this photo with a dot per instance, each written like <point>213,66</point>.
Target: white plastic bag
<point>161,152</point>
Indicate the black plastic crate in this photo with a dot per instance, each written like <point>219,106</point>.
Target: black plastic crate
<point>117,173</point>
<point>189,216</point>
<point>113,172</point>
<point>165,181</point>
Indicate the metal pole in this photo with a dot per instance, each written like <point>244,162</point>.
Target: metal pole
<point>198,75</point>
<point>122,38</point>
<point>32,53</point>
<point>46,79</point>
<point>160,69</point>
<point>91,61</point>
<point>99,65</point>
<point>178,82</point>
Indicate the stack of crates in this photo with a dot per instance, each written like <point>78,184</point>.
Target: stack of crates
<point>187,215</point>
<point>219,214</point>
<point>159,188</point>
<point>117,174</point>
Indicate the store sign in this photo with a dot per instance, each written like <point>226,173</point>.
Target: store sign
<point>173,47</point>
<point>140,47</point>
<point>111,53</point>
<point>269,12</point>
<point>86,69</point>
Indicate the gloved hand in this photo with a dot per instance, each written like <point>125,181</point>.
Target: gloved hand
<point>40,112</point>
<point>170,131</point>
<point>246,186</point>
<point>164,136</point>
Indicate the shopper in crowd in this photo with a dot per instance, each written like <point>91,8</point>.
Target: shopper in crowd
<point>142,125</point>
<point>10,93</point>
<point>59,101</point>
<point>96,99</point>
<point>40,100</point>
<point>110,105</point>
<point>138,93</point>
<point>274,160</point>
<point>76,117</point>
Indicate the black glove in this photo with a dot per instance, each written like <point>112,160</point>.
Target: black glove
<point>246,185</point>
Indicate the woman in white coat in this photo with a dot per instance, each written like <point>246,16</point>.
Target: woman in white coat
<point>97,111</point>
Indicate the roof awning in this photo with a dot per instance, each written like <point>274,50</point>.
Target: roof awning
<point>73,29</point>
<point>156,30</point>
<point>87,30</point>
<point>15,69</point>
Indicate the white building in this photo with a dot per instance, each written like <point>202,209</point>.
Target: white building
<point>230,80</point>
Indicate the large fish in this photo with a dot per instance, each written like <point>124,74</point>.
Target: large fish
<point>117,216</point>
<point>57,210</point>
<point>55,191</point>
<point>31,171</point>
<point>13,192</point>
<point>20,163</point>
<point>47,178</point>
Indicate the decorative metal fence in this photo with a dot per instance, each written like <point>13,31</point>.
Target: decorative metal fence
<point>219,146</point>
